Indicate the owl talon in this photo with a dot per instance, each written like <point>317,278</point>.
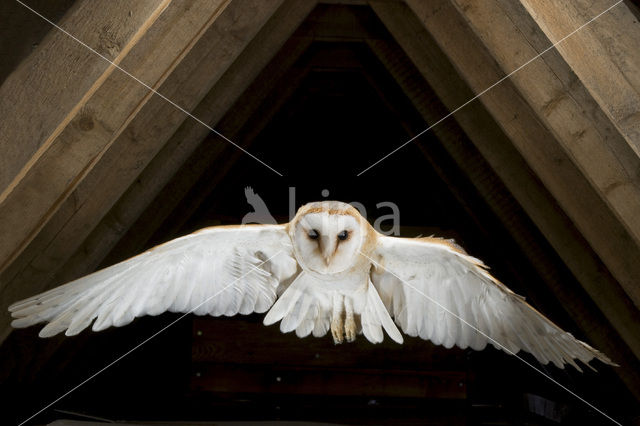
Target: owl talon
<point>350,329</point>
<point>337,330</point>
<point>337,322</point>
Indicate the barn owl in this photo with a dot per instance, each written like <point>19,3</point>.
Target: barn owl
<point>327,269</point>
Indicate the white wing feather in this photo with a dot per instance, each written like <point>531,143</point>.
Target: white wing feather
<point>216,271</point>
<point>436,291</point>
<point>375,317</point>
<point>302,308</point>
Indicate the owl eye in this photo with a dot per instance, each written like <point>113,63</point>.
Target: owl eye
<point>343,235</point>
<point>313,234</point>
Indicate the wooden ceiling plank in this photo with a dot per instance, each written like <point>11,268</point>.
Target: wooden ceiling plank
<point>557,107</point>
<point>598,330</point>
<point>138,145</point>
<point>85,234</point>
<point>512,169</point>
<point>210,337</point>
<point>605,55</point>
<point>169,200</point>
<point>165,182</point>
<point>344,382</point>
<point>609,133</point>
<point>535,142</point>
<point>83,137</point>
<point>181,197</point>
<point>50,86</point>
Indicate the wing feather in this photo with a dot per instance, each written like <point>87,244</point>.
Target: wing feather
<point>217,271</point>
<point>438,292</point>
<point>308,323</point>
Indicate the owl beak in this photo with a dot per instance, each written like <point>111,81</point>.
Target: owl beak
<point>328,248</point>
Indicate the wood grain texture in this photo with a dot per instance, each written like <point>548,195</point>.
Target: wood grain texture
<point>190,151</point>
<point>145,156</point>
<point>51,85</point>
<point>605,55</point>
<point>610,170</point>
<point>509,165</point>
<point>537,145</point>
<point>86,135</point>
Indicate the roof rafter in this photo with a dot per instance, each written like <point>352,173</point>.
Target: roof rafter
<point>140,136</point>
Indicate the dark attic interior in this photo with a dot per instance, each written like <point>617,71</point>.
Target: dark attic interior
<point>539,176</point>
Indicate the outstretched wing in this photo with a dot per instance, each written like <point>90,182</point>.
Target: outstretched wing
<point>216,271</point>
<point>436,291</point>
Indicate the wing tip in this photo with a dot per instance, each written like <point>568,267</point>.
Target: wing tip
<point>399,339</point>
<point>271,318</point>
<point>49,331</point>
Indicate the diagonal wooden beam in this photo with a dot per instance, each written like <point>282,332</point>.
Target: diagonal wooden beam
<point>82,136</point>
<point>499,151</point>
<point>196,179</point>
<point>469,164</point>
<point>50,86</point>
<point>605,56</point>
<point>165,217</point>
<point>608,163</point>
<point>538,146</point>
<point>137,145</point>
<point>574,86</point>
<point>144,158</point>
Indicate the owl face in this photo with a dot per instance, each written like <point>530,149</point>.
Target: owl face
<point>328,241</point>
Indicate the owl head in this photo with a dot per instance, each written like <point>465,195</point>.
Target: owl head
<point>328,236</point>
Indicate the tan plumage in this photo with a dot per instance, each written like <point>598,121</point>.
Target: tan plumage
<point>327,269</point>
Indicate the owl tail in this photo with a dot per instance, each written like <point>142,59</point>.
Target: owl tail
<point>300,309</point>
<point>305,309</point>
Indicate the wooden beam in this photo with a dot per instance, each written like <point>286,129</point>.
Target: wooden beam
<point>143,140</point>
<point>281,379</point>
<point>262,359</point>
<point>605,55</point>
<point>51,85</point>
<point>613,172</point>
<point>226,340</point>
<point>195,181</point>
<point>575,87</point>
<point>509,165</point>
<point>82,136</point>
<point>536,144</point>
<point>566,291</point>
<point>190,151</point>
<point>22,30</point>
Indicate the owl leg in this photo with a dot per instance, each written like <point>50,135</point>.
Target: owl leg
<point>350,329</point>
<point>337,323</point>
